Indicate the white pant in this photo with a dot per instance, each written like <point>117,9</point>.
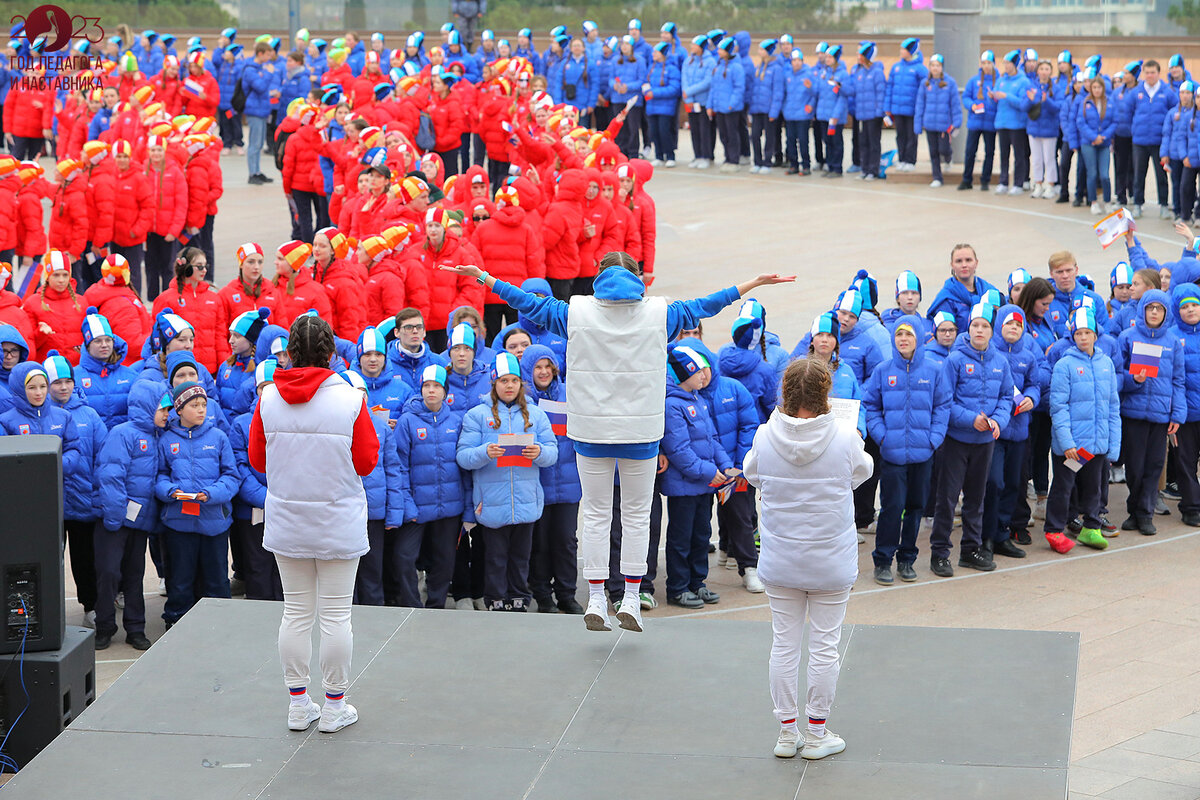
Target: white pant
<point>637,492</point>
<point>825,612</point>
<point>1044,166</point>
<point>313,588</point>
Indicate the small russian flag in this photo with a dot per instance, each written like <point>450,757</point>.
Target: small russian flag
<point>192,87</point>
<point>1144,358</point>
<point>556,410</point>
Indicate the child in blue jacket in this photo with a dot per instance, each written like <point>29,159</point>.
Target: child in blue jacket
<point>508,499</point>
<point>661,93</point>
<point>979,101</point>
<point>101,376</point>
<point>939,114</point>
<point>727,101</point>
<point>766,104</point>
<point>1179,142</point>
<point>257,568</point>
<point>553,565</point>
<point>238,369</point>
<point>908,302</point>
<point>386,390</point>
<point>1185,300</point>
<point>695,82</point>
<point>745,360</point>
<point>197,480</point>
<point>799,110</point>
<point>468,379</point>
<point>126,472</point>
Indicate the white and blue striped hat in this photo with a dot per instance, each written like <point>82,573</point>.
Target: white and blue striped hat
<point>265,372</point>
<point>942,317</point>
<point>94,324</point>
<point>249,324</point>
<point>354,379</point>
<point>907,281</point>
<point>371,341</point>
<point>434,372</point>
<point>462,334</point>
<point>1020,276</point>
<point>506,364</point>
<point>1122,274</point>
<point>57,368</point>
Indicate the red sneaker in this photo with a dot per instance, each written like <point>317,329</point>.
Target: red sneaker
<point>1060,543</point>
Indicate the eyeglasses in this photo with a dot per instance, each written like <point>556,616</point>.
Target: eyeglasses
<point>480,219</point>
<point>412,328</point>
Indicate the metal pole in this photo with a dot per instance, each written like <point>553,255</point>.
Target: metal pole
<point>293,22</point>
<point>956,37</point>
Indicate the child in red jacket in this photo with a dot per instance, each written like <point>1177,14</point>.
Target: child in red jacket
<point>119,304</point>
<point>168,192</point>
<point>56,311</point>
<point>69,212</point>
<point>343,282</point>
<point>31,233</point>
<point>133,210</point>
<point>10,185</point>
<point>302,177</point>
<point>295,290</point>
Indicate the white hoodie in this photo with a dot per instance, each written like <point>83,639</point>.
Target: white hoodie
<point>806,471</point>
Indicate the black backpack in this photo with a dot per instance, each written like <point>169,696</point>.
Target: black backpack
<point>280,143</point>
<point>238,101</point>
<point>426,135</point>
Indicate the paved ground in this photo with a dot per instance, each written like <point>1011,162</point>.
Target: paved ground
<point>1137,605</point>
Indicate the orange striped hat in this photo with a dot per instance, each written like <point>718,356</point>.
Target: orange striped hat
<point>114,270</point>
<point>435,215</point>
<point>122,147</point>
<point>376,247</point>
<point>69,168</point>
<point>448,185</point>
<point>153,109</point>
<point>95,151</point>
<point>55,261</point>
<point>8,165</point>
<point>142,94</point>
<point>296,253</point>
<point>398,235</point>
<point>161,130</point>
<point>411,188</point>
<point>337,240</point>
<point>194,144</point>
<point>30,171</point>
<point>371,137</point>
<point>203,125</point>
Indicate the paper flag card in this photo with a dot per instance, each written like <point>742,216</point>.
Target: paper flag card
<point>1144,358</point>
<point>1113,227</point>
<point>556,410</point>
<point>1076,464</point>
<point>513,444</point>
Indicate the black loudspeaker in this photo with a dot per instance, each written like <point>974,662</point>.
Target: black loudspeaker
<point>31,543</point>
<point>60,684</point>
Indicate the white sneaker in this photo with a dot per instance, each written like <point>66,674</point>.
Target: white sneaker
<point>120,602</point>
<point>1096,210</point>
<point>1136,211</point>
<point>464,604</point>
<point>764,170</point>
<point>827,745</point>
<point>731,563</point>
<point>300,717</point>
<point>727,167</point>
<point>752,582</point>
<point>722,558</point>
<point>629,614</point>
<point>789,741</point>
<point>1001,189</point>
<point>647,152</point>
<point>480,604</point>
<point>647,601</point>
<point>333,721</point>
<point>1110,207</point>
<point>704,164</point>
<point>656,162</point>
<point>89,619</point>
<point>1037,191</point>
<point>596,616</point>
<point>1049,192</point>
<point>1025,186</point>
<point>1016,190</point>
<point>670,163</point>
<point>162,587</point>
<point>694,163</point>
<point>1118,474</point>
<point>935,184</point>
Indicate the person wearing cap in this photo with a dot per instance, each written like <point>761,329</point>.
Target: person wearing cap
<point>696,74</point>
<point>468,377</point>
<point>55,310</point>
<point>411,351</point>
<point>939,114</point>
<point>104,380</point>
<point>1185,300</point>
<point>342,281</point>
<point>908,301</point>
<point>488,53</point>
<point>239,367</point>
<point>1177,71</point>
<point>168,192</point>
<point>727,101</point>
<point>800,87</point>
<point>249,290</point>
<point>1086,433</point>
<point>69,217</point>
<point>900,100</point>
<point>869,89</point>
<point>1152,100</point>
<point>387,392</point>
<point>832,110</point>
<point>945,333</point>
<point>295,289</point>
<point>1121,288</point>
<point>745,360</point>
<point>661,91</point>
<point>1011,94</point>
<point>1096,120</point>
<point>1180,147</point>
<point>301,174</point>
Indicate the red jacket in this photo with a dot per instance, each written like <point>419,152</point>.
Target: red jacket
<point>128,125</point>
<point>301,167</point>
<point>562,229</point>
<point>341,75</point>
<point>69,218</point>
<point>644,209</point>
<point>125,313</point>
<point>368,217</point>
<point>384,291</point>
<point>306,294</point>
<point>448,291</point>
<point>64,313</point>
<point>495,110</point>
<point>449,122</point>
<point>133,208</point>
<point>11,313</point>
<point>166,91</point>
<point>206,107</point>
<point>28,112</point>
<point>9,211</point>
<point>216,186</point>
<point>77,128</point>
<point>31,231</point>
<point>510,248</point>
<point>199,304</point>
<point>168,195</point>
<point>608,235</point>
<point>343,283</point>
<point>199,189</point>
<point>237,298</point>
<point>101,202</point>
<point>128,83</point>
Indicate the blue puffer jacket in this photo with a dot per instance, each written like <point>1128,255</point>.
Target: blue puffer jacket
<point>252,484</point>
<point>1149,112</point>
<point>870,86</point>
<point>256,83</point>
<point>743,55</point>
<point>22,419</point>
<point>1085,409</point>
<point>604,72</point>
<point>471,68</point>
<point>387,390</point>
<point>1012,110</point>
<point>799,93</point>
<point>106,387</point>
<point>1047,122</point>
<point>832,103</point>
<point>956,299</point>
<point>1030,374</point>
<point>292,86</point>
<point>1163,398</point>
<point>357,59</point>
<point>728,92</point>
<point>902,86</point>
<point>1068,118</point>
<point>938,106</point>
<point>696,80</point>
<point>860,351</point>
<point>1089,124</point>
<point>1179,134</point>
<point>230,379</point>
<point>583,74</point>
<point>977,100</point>
<point>1042,332</point>
<point>464,392</point>
<point>505,495</point>
<point>980,383</point>
<point>385,500</point>
<point>1185,270</point>
<point>731,407</point>
<point>1062,305</point>
<point>890,317</point>
<point>537,333</point>
<point>431,483</point>
<point>1191,347</point>
<point>749,368</point>
<point>691,445</point>
<point>81,496</point>
<point>1121,100</point>
<point>936,353</point>
<point>196,460</point>
<point>633,75</point>
<point>227,77</point>
<point>10,335</point>
<point>907,405</point>
<point>409,366</point>
<point>560,483</point>
<point>766,93</point>
<point>664,83</point>
<point>127,469</point>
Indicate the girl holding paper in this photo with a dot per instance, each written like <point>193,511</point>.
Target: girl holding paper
<point>502,442</point>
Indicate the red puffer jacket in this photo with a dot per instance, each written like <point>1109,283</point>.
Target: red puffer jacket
<point>301,170</point>
<point>407,264</point>
<point>64,313</point>
<point>199,304</point>
<point>306,294</point>
<point>168,195</point>
<point>368,217</point>
<point>562,229</point>
<point>31,231</point>
<point>644,209</point>
<point>449,122</point>
<point>448,291</point>
<point>216,186</point>
<point>206,107</point>
<point>133,209</point>
<point>199,189</point>
<point>495,110</point>
<point>69,218</point>
<point>101,200</point>
<point>9,211</point>
<point>343,283</point>
<point>125,313</point>
<point>166,91</point>
<point>238,298</point>
<point>129,83</point>
<point>384,291</point>
<point>128,125</point>
<point>78,132</point>
<point>510,248</point>
<point>28,112</point>
<point>607,235</point>
<point>11,313</point>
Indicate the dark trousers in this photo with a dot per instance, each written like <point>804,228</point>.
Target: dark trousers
<point>600,117</point>
<point>906,139</point>
<point>736,521</point>
<point>834,146</point>
<point>1003,486</point>
<point>989,153</point>
<point>307,208</point>
<point>1176,165</point>
<point>469,565</point>
<point>464,153</point>
<point>1187,192</point>
<point>27,148</point>
<point>120,567</point>
<point>764,152</point>
<point>368,583</point>
<point>497,316</point>
<point>506,565</point>
<point>689,528</point>
<point>436,339</point>
<point>83,559</point>
<point>584,284</point>
<point>864,495</point>
<point>1187,452</point>
<point>1144,451</point>
<point>560,287</point>
<point>616,581</point>
<point>1015,141</point>
<point>855,142</point>
<point>204,239</point>
<point>727,127</point>
<point>662,136</point>
<point>450,159</point>
<point>870,145</point>
<point>434,542</point>
<point>1035,466</point>
<point>902,492</point>
<point>479,153</point>
<point>818,134</point>
<point>939,150</point>
<point>743,133</point>
<point>1122,154</point>
<point>497,171</point>
<point>775,136</point>
<point>1084,484</point>
<point>553,564</point>
<point>797,139</point>
<point>258,568</point>
<point>964,470</point>
<point>197,566</point>
<point>702,133</point>
<point>1064,172</point>
<point>134,255</point>
<point>627,137</point>
<point>1145,155</point>
<point>230,128</point>
<point>160,266</point>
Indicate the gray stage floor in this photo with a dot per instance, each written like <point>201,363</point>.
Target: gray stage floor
<point>457,705</point>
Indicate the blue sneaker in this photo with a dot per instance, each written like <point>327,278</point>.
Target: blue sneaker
<point>854,168</point>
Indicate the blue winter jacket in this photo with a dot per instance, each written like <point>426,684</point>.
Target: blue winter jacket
<point>560,483</point>
<point>902,86</point>
<point>936,353</point>
<point>537,333</point>
<point>743,56</point>
<point>604,73</point>
<point>799,93</point>
<point>10,335</point>
<point>105,387</point>
<point>1179,140</point>
<point>1042,332</point>
<point>938,106</point>
<point>431,483</point>
<point>980,383</point>
<point>1185,270</point>
<point>860,352</point>
<point>1089,124</point>
<point>1030,375</point>
<point>385,500</point>
<point>464,392</point>
<point>832,102</point>
<point>1149,112</point>
<point>1063,304</point>
<point>890,317</point>
<point>584,75</point>
<point>409,366</point>
<point>387,390</point>
<point>196,460</point>
<point>505,495</point>
<point>1085,408</point>
<point>873,326</point>
<point>1047,122</point>
<point>731,408</point>
<point>227,77</point>
<point>870,86</point>
<point>664,83</point>
<point>749,368</point>
<point>471,70</point>
<point>957,299</point>
<point>696,77</point>
<point>127,469</point>
<point>292,86</point>
<point>81,497</point>
<point>230,380</point>
<point>1068,118</point>
<point>252,484</point>
<point>977,100</point>
<point>100,123</point>
<point>727,94</point>
<point>907,405</point>
<point>1191,347</point>
<point>22,419</point>
<point>1121,100</point>
<point>1012,110</point>
<point>483,353</point>
<point>632,74</point>
<point>1162,398</point>
<point>691,445</point>
<point>766,96</point>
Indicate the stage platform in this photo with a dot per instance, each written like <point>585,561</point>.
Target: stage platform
<point>456,705</point>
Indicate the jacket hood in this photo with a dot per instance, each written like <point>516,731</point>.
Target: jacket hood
<point>509,216</point>
<point>142,408</point>
<point>10,335</point>
<point>416,405</point>
<point>1153,296</point>
<point>800,441</point>
<point>572,187</point>
<point>914,322</point>
<point>643,170</point>
<point>298,385</point>
<point>16,385</point>
<point>530,192</point>
<point>618,285</point>
<point>534,286</point>
<point>89,362</point>
<point>743,42</point>
<point>262,346</point>
<point>479,343</point>
<point>533,354</point>
<point>462,187</point>
<point>701,348</point>
<point>963,345</point>
<point>1178,293</point>
<point>738,363</point>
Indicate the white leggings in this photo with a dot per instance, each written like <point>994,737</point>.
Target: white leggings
<point>1041,156</point>
<point>637,492</point>
<point>315,588</point>
<point>825,612</point>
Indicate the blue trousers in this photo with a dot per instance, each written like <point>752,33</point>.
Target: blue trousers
<point>661,135</point>
<point>797,138</point>
<point>254,146</point>
<point>197,566</point>
<point>689,527</point>
<point>902,492</point>
<point>368,583</point>
<point>1003,489</point>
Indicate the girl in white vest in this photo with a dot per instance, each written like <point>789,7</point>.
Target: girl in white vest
<point>313,437</point>
<point>806,465</point>
<point>617,360</point>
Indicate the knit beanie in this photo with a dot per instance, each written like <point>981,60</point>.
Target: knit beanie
<point>684,362</point>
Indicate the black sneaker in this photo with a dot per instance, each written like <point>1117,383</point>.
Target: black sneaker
<point>806,171</point>
<point>1063,199</point>
<point>1075,525</point>
<point>1171,491</point>
<point>883,576</point>
<point>906,572</point>
<point>138,641</point>
<point>941,567</point>
<point>1077,202</point>
<point>1008,549</point>
<point>570,606</point>
<point>1191,519</point>
<point>1130,524</point>
<point>255,180</point>
<point>707,595</point>
<point>1022,536</point>
<point>546,606</point>
<point>983,187</point>
<point>964,187</point>
<point>1146,526</point>
<point>686,600</point>
<point>712,548</point>
<point>976,560</point>
<point>265,179</point>
<point>793,171</point>
<point>103,640</point>
<point>1106,525</point>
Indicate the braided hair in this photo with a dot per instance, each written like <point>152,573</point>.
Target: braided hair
<point>806,385</point>
<point>310,342</point>
<point>520,403</point>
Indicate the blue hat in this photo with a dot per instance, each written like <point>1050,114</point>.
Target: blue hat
<point>265,372</point>
<point>376,37</point>
<point>447,27</point>
<point>850,301</point>
<point>454,38</point>
<point>700,40</point>
<point>82,46</point>
<point>229,33</point>
<point>1013,56</point>
<point>987,55</point>
<point>1083,318</point>
<point>746,332</point>
<point>589,26</point>
<point>249,324</point>
<point>669,27</point>
<point>1134,68</point>
<point>506,364</point>
<point>941,318</point>
<point>984,311</point>
<point>769,45</point>
<point>178,360</point>
<point>331,94</point>
<point>868,287</point>
<point>797,54</point>
<point>1093,61</point>
<point>275,42</point>
<point>320,44</point>
<point>94,324</point>
<point>374,157</point>
<point>1122,274</point>
<point>167,38</point>
<point>835,50</point>
<point>939,58</point>
<point>166,327</point>
<point>684,362</point>
<point>234,48</point>
<point>911,44</point>
<point>716,35</point>
<point>435,372</point>
<point>1175,61</point>
<point>1065,57</point>
<point>827,323</point>
<point>371,341</point>
<point>463,334</point>
<point>150,34</point>
<point>662,47</point>
<point>557,30</point>
<point>526,32</point>
<point>1031,54</point>
<point>193,40</point>
<point>487,35</point>
<point>822,47</point>
<point>415,39</point>
<point>57,368</point>
<point>383,89</point>
<point>271,342</point>
<point>752,308</point>
<point>786,38</point>
<point>354,379</point>
<point>563,40</point>
<point>196,48</point>
<point>992,297</point>
<point>727,44</point>
<point>1020,276</point>
<point>612,43</point>
<point>907,281</point>
<point>867,50</point>
<point>635,24</point>
<point>1188,86</point>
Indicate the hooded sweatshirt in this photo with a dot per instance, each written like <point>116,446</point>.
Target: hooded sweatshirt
<point>128,469</point>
